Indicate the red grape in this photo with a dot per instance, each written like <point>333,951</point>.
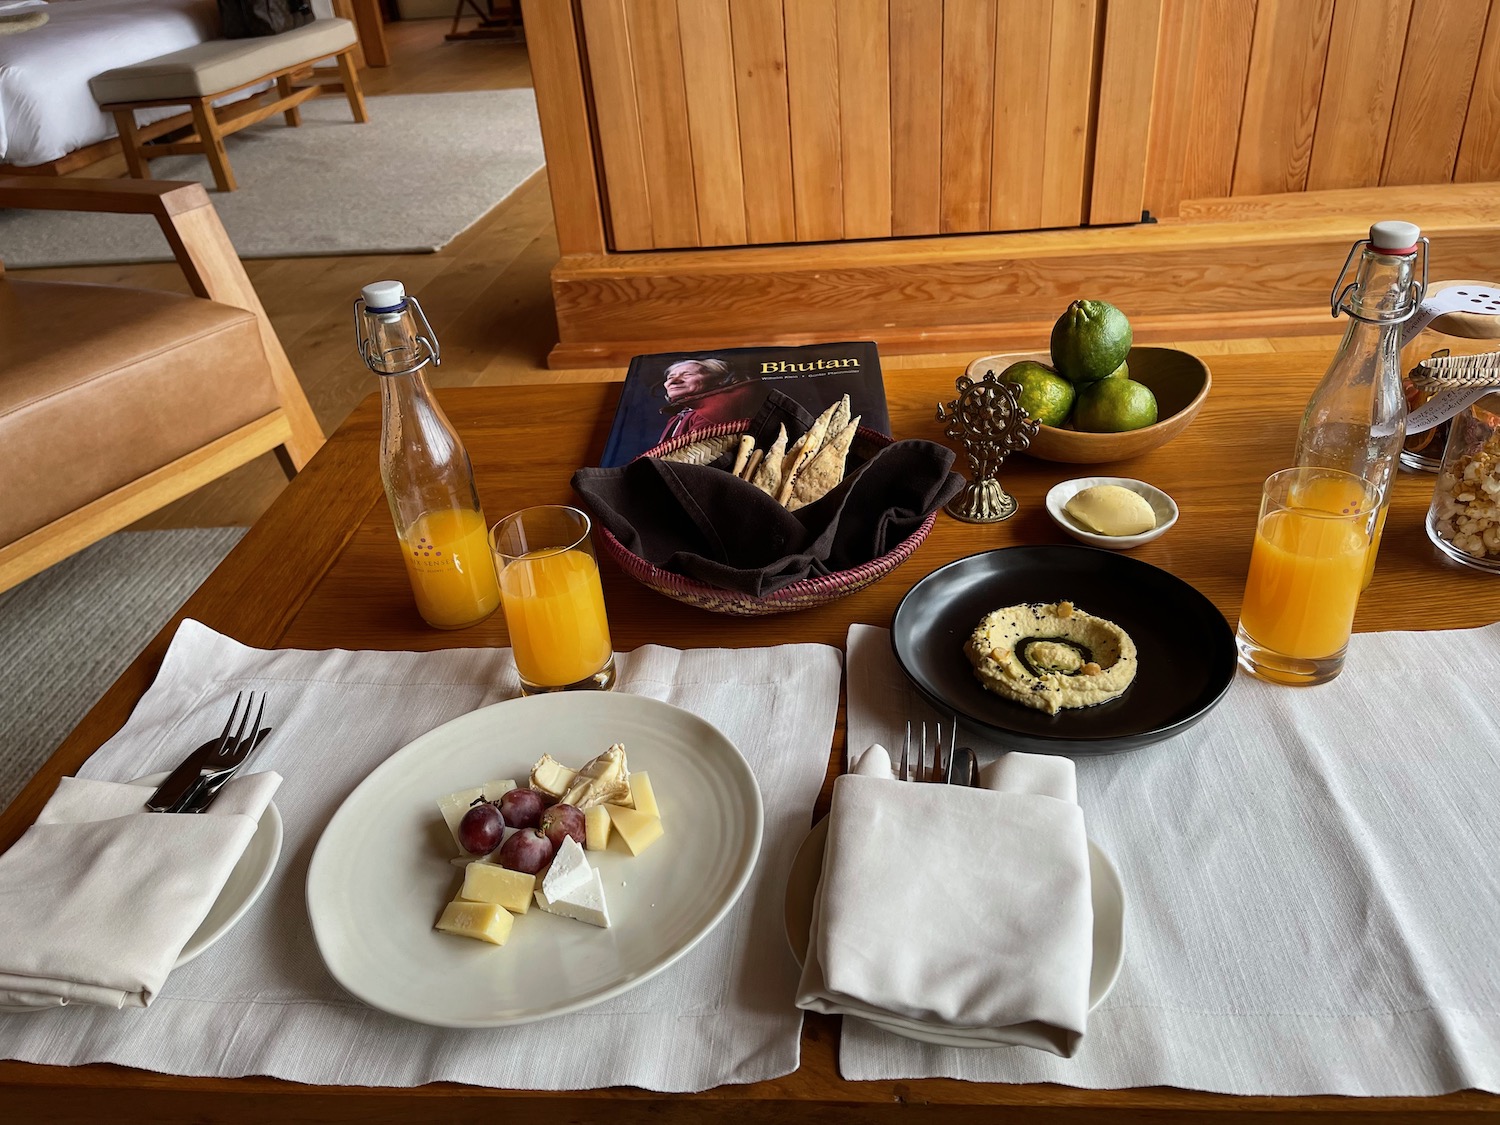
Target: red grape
<point>561,821</point>
<point>527,851</point>
<point>480,830</point>
<point>522,808</point>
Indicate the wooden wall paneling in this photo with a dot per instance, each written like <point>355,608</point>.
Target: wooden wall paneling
<point>916,45</point>
<point>865,116</point>
<point>1070,91</point>
<point>661,99</point>
<point>765,131</point>
<point>1126,80</point>
<point>618,123</point>
<point>1359,92</point>
<point>1023,40</point>
<point>1281,95</point>
<point>968,113</point>
<point>813,99</point>
<point>1479,152</point>
<point>1172,105</point>
<point>1225,37</point>
<point>1432,98</point>
<point>713,120</point>
<point>554,41</point>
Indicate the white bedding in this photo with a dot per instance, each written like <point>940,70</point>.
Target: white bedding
<point>46,110</point>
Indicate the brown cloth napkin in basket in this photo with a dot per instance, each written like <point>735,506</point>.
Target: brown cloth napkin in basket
<point>701,522</point>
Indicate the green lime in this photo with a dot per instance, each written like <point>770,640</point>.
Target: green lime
<point>1112,406</point>
<point>1045,395</point>
<point>1090,340</point>
<point>1121,372</point>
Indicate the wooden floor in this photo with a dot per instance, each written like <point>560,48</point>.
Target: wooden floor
<point>486,292</point>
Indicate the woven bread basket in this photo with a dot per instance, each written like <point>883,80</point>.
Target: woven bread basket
<point>806,594</point>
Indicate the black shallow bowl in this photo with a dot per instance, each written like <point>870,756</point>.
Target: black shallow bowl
<point>1186,648</point>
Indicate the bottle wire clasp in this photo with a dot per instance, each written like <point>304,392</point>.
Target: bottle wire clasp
<point>1338,299</point>
<point>425,337</point>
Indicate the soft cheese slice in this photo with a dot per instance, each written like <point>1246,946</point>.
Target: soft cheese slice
<point>482,920</point>
<point>551,777</point>
<point>585,903</point>
<point>455,805</point>
<point>600,781</point>
<point>568,871</point>
<point>488,882</point>
<point>635,828</point>
<point>642,796</point>
<point>596,827</point>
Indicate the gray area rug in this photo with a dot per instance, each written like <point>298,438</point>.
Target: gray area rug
<point>424,168</point>
<point>68,633</point>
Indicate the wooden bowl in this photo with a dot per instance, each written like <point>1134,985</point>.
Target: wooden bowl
<point>1179,380</point>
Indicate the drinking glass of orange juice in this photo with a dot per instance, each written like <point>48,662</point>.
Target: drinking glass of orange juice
<point>1306,571</point>
<point>553,602</point>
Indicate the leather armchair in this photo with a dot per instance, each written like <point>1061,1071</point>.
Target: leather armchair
<point>115,401</point>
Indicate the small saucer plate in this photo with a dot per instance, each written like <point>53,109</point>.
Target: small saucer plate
<point>1162,504</point>
<point>1109,931</point>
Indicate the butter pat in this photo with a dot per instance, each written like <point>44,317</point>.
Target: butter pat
<point>635,828</point>
<point>642,796</point>
<point>481,920</point>
<point>596,828</point>
<point>1110,509</point>
<point>487,882</point>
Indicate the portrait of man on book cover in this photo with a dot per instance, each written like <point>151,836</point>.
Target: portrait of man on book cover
<point>668,395</point>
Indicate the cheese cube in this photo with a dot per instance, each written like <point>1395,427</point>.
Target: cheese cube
<point>643,797</point>
<point>488,882</point>
<point>584,904</point>
<point>634,827</point>
<point>455,805</point>
<point>596,828</point>
<point>482,920</point>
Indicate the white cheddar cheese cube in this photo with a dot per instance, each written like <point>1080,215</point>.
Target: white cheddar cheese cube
<point>584,904</point>
<point>643,797</point>
<point>635,828</point>
<point>482,920</point>
<point>488,882</point>
<point>596,828</point>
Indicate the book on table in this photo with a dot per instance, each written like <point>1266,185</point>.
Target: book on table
<point>674,393</point>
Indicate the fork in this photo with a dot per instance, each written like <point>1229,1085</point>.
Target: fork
<point>228,756</point>
<point>915,764</point>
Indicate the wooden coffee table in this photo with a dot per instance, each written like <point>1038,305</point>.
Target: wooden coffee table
<point>322,570</point>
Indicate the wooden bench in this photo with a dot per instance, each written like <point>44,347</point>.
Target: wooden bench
<point>198,76</point>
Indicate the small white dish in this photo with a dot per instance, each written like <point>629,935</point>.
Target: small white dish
<point>1109,931</point>
<point>1162,504</point>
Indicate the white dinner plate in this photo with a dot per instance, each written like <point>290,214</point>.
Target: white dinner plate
<point>1109,931</point>
<point>381,875</point>
<point>248,878</point>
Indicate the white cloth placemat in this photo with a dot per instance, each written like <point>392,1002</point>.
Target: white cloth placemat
<point>1312,880</point>
<point>261,1001</point>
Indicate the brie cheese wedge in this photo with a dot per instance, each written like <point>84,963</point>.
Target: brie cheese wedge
<point>601,781</point>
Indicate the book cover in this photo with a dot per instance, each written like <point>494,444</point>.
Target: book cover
<point>674,393</point>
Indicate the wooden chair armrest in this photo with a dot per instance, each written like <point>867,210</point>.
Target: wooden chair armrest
<point>161,198</point>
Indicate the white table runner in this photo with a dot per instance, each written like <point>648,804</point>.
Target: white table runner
<point>1312,879</point>
<point>261,1001</point>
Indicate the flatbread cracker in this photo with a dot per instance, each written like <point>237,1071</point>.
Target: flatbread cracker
<point>702,452</point>
<point>841,416</point>
<point>809,444</point>
<point>747,443</point>
<point>823,472</point>
<point>767,478</point>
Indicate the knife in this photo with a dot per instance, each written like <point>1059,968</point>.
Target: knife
<point>202,795</point>
<point>181,781</point>
<point>964,768</point>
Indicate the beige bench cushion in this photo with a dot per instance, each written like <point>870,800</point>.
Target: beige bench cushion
<point>100,385</point>
<point>220,65</point>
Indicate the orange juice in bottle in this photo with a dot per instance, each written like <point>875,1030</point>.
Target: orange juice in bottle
<point>428,478</point>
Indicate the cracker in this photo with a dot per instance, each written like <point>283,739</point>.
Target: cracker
<point>824,472</point>
<point>747,443</point>
<point>803,452</point>
<point>767,478</point>
<point>754,463</point>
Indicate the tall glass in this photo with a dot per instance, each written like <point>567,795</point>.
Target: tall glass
<point>1307,567</point>
<point>553,601</point>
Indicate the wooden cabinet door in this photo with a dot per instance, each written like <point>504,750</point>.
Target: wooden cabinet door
<point>745,122</point>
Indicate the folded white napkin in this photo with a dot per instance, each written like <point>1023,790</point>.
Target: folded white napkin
<point>99,896</point>
<point>950,907</point>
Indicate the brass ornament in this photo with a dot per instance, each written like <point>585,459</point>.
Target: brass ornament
<point>987,418</point>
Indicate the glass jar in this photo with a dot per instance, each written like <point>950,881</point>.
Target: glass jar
<point>1464,520</point>
<point>1449,334</point>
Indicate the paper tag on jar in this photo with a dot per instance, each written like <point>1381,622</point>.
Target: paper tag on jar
<point>1443,406</point>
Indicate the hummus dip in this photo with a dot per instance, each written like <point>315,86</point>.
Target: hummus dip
<point>1051,656</point>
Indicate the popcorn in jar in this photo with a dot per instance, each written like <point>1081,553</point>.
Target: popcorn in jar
<point>1464,520</point>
